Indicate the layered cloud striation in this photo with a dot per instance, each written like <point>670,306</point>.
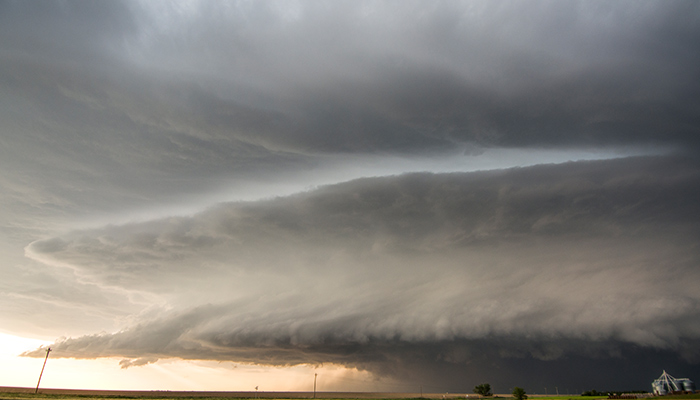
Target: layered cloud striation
<point>583,260</point>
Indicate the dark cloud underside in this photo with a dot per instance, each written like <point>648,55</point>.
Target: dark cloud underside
<point>581,261</point>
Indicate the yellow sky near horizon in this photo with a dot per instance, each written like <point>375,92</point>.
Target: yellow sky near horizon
<point>172,374</point>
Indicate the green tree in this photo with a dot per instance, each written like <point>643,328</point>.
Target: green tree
<point>519,393</point>
<point>484,389</point>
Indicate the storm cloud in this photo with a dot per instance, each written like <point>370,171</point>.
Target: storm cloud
<point>380,272</point>
<point>428,191</point>
<point>368,76</point>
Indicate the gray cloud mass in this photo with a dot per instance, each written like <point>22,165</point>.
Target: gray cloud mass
<point>365,273</point>
<point>284,182</point>
<point>346,78</point>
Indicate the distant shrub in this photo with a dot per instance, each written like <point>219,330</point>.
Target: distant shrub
<point>519,393</point>
<point>484,389</point>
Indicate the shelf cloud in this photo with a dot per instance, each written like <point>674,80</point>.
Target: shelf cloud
<point>542,262</point>
<point>450,191</point>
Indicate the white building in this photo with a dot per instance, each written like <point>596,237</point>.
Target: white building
<point>667,384</point>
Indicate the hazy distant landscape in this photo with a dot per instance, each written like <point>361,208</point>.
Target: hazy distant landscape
<point>10,393</point>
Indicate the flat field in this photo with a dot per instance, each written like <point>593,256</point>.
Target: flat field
<point>18,393</point>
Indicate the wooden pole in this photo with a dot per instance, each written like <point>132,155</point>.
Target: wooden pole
<point>315,375</point>
<point>42,370</point>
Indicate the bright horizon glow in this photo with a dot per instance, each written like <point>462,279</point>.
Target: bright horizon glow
<point>173,374</point>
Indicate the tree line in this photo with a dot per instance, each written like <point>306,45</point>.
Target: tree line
<point>485,390</point>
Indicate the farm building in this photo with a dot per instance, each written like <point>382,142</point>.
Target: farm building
<point>666,384</point>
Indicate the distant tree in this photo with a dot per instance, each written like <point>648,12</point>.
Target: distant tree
<point>519,393</point>
<point>484,389</point>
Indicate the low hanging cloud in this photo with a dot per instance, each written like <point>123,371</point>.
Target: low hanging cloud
<point>580,260</point>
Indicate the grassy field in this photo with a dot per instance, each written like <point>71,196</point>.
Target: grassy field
<point>571,397</point>
<point>54,394</point>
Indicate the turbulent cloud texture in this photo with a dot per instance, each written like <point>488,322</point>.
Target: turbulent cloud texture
<point>295,182</point>
<point>377,272</point>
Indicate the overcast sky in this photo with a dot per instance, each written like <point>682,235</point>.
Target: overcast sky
<point>448,193</point>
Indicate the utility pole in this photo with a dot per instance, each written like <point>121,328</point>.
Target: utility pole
<point>42,370</point>
<point>315,375</point>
